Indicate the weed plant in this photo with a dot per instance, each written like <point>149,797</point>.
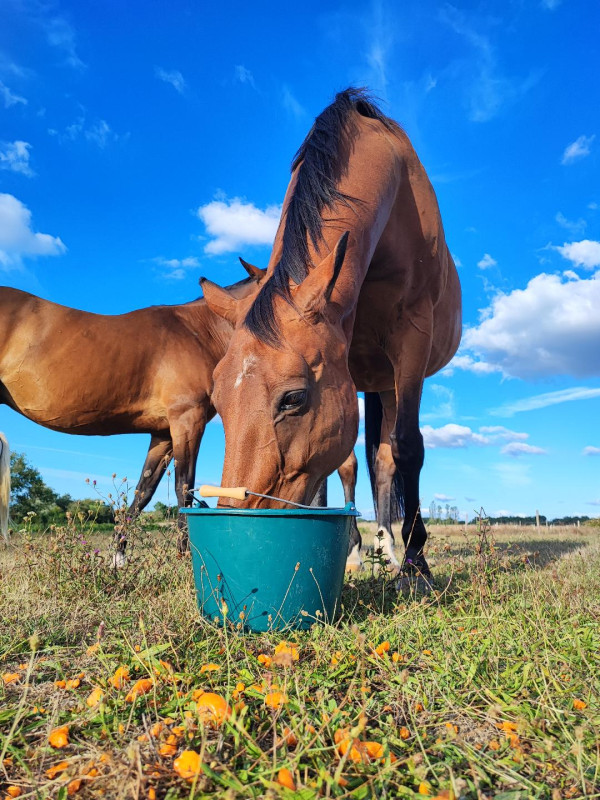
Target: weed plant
<point>487,688</point>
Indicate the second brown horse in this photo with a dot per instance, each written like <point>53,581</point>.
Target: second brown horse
<point>147,371</point>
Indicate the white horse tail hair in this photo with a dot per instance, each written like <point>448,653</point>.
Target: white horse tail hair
<point>4,485</point>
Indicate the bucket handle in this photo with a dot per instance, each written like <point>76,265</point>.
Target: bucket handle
<point>240,493</point>
<point>236,493</point>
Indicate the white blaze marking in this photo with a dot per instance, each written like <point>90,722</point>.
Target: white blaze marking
<point>247,365</point>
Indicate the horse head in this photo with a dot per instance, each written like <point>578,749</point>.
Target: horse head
<point>287,400</point>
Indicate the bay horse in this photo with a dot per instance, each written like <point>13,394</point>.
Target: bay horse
<point>361,293</point>
<point>146,371</point>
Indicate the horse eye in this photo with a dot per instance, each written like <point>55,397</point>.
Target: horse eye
<point>292,400</point>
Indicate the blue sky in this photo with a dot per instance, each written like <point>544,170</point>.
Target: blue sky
<point>145,144</point>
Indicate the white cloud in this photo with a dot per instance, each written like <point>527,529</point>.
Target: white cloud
<point>487,261</point>
<point>521,448</point>
<point>430,82</point>
<point>455,436</point>
<point>552,327</point>
<point>498,433</point>
<point>243,75</point>
<point>444,406</point>
<point>17,239</point>
<point>233,224</point>
<point>590,450</point>
<point>469,364</point>
<point>444,498</point>
<point>98,132</point>
<point>15,157</point>
<point>379,31</point>
<point>10,67</point>
<point>544,400</point>
<point>173,76</point>
<point>291,105</point>
<point>9,98</point>
<point>585,253</point>
<point>580,148</point>
<point>61,34</point>
<point>487,91</point>
<point>176,268</point>
<point>451,435</point>
<point>575,227</point>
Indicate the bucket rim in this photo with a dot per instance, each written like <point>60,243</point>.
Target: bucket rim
<point>349,510</point>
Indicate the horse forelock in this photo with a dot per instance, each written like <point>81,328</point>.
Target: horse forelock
<point>320,163</point>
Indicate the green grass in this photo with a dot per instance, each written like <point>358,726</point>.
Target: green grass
<point>479,700</point>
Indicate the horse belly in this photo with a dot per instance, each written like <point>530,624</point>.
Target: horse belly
<point>369,364</point>
<point>447,324</point>
<point>81,401</point>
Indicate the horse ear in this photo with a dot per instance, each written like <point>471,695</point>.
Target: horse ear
<point>254,272</point>
<point>220,301</point>
<point>313,294</point>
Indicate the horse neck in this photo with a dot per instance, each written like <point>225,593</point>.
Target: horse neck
<point>375,162</point>
<point>212,332</point>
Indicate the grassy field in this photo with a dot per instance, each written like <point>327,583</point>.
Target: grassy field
<point>113,686</point>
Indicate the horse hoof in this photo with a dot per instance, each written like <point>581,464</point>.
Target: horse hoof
<point>393,569</point>
<point>415,584</point>
<point>353,568</point>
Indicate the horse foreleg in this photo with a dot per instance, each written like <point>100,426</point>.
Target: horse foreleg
<point>348,472</point>
<point>410,366</point>
<point>157,460</point>
<point>187,431</point>
<point>320,498</point>
<point>385,474</point>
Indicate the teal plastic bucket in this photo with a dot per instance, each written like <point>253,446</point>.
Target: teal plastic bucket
<point>269,569</point>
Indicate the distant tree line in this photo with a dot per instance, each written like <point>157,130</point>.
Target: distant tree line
<point>29,495</point>
<point>449,515</point>
<point>446,515</point>
<point>508,520</point>
<point>32,499</point>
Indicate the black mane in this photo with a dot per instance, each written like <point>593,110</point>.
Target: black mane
<point>321,164</point>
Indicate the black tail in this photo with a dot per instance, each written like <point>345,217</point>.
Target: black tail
<point>373,420</point>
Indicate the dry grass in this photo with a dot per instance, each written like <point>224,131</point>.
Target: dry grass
<point>490,686</point>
